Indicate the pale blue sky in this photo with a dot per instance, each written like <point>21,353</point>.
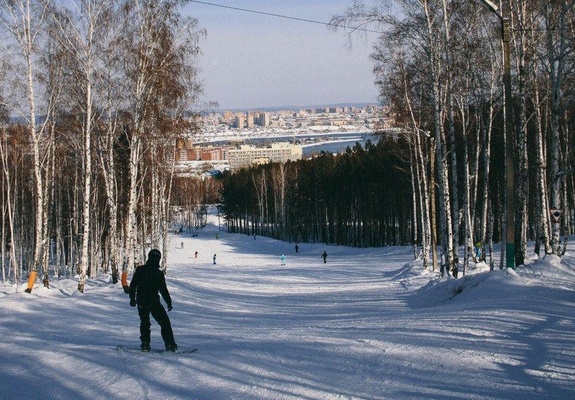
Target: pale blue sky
<point>254,61</point>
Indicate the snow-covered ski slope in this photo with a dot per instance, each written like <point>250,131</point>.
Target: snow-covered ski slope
<point>368,324</point>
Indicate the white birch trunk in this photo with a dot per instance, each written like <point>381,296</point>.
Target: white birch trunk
<point>427,241</point>
<point>86,218</point>
<point>436,67</point>
<point>10,203</point>
<point>25,28</point>
<point>131,223</point>
<point>466,206</point>
<point>166,209</point>
<point>486,234</point>
<point>414,191</point>
<point>542,194</point>
<point>557,50</point>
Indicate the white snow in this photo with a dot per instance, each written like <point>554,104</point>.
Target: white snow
<point>368,324</point>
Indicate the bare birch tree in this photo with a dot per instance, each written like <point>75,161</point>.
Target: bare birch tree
<point>78,25</point>
<point>559,62</point>
<point>159,46</point>
<point>25,21</point>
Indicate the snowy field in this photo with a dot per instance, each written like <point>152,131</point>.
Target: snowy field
<point>368,324</point>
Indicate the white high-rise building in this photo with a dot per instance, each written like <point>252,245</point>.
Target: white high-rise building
<point>250,155</point>
<point>262,119</point>
<point>240,121</point>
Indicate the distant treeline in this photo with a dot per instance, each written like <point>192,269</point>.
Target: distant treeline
<point>361,198</point>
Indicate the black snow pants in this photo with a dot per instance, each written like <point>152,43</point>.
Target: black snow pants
<point>161,317</point>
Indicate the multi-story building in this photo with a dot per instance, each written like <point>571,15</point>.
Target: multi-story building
<point>263,119</point>
<point>187,151</point>
<point>211,154</point>
<point>240,121</point>
<point>250,121</point>
<point>249,155</point>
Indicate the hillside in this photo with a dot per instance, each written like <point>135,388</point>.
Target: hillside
<point>368,324</point>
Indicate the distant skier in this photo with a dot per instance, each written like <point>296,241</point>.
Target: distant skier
<point>147,281</point>
<point>324,256</point>
<point>196,254</point>
<point>455,269</point>
<point>182,245</point>
<point>478,250</point>
<point>214,258</point>
<point>283,260</point>
<point>296,248</point>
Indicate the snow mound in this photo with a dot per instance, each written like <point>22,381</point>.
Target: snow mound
<point>469,289</point>
<point>481,266</point>
<point>552,263</point>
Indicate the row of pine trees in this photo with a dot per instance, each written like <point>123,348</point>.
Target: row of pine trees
<point>439,66</point>
<point>361,198</point>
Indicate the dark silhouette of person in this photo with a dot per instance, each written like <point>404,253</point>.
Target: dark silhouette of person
<point>296,248</point>
<point>324,256</point>
<point>146,283</point>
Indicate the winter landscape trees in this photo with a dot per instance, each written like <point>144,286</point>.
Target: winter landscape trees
<point>439,66</point>
<point>93,93</point>
<point>360,198</point>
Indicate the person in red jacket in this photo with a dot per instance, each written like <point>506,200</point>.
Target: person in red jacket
<point>147,281</point>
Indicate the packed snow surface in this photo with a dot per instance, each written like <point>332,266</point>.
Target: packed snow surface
<point>368,324</point>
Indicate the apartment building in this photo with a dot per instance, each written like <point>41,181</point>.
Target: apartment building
<point>250,155</point>
<point>240,121</point>
<point>187,151</point>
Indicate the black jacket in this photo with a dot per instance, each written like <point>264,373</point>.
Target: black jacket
<point>147,281</point>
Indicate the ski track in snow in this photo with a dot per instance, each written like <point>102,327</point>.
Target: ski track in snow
<point>369,324</point>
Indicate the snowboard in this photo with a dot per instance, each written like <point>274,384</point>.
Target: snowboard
<point>122,347</point>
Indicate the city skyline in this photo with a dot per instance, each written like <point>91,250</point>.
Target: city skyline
<point>257,61</point>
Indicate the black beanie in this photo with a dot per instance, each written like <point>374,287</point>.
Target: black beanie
<point>155,254</point>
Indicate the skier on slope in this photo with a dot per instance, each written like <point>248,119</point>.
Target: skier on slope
<point>147,281</point>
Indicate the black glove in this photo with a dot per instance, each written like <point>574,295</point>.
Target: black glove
<point>169,307</point>
<point>133,303</point>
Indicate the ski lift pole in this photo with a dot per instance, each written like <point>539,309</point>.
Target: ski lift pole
<point>509,157</point>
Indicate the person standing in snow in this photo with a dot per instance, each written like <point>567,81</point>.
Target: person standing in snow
<point>455,269</point>
<point>214,259</point>
<point>147,281</point>
<point>478,251</point>
<point>296,248</point>
<point>324,256</point>
<point>283,260</point>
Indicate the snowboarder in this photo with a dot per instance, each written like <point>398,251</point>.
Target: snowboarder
<point>196,254</point>
<point>214,259</point>
<point>182,245</point>
<point>283,260</point>
<point>147,281</point>
<point>296,248</point>
<point>324,256</point>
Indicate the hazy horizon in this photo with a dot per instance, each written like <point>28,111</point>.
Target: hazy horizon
<point>255,61</point>
<point>295,107</point>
